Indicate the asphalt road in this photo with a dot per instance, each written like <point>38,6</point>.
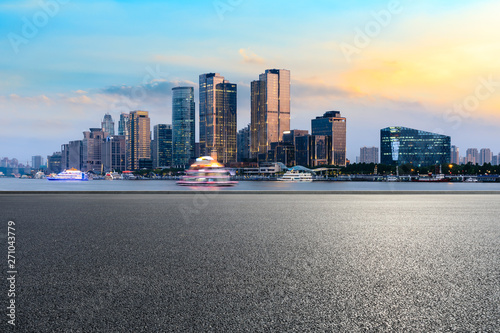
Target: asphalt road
<point>253,263</point>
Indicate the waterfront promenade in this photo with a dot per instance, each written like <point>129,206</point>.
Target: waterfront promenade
<point>197,262</point>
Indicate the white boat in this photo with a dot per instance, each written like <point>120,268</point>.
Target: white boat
<point>206,172</point>
<point>70,175</point>
<point>296,176</point>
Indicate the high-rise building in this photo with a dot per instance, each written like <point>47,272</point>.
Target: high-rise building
<point>162,145</point>
<point>495,160</point>
<point>243,143</point>
<point>139,141</point>
<point>36,162</point>
<point>368,155</point>
<point>218,115</point>
<point>312,150</point>
<point>183,125</point>
<point>114,150</point>
<point>270,109</point>
<point>75,158</point>
<point>64,156</point>
<point>289,136</point>
<point>401,145</point>
<point>333,125</point>
<point>485,156</point>
<point>472,156</point>
<point>108,125</point>
<point>455,155</point>
<point>123,124</point>
<point>54,162</point>
<point>92,149</point>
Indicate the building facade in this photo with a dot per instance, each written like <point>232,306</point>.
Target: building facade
<point>108,125</point>
<point>114,152</point>
<point>270,109</point>
<point>139,141</point>
<point>312,150</point>
<point>333,125</point>
<point>243,144</point>
<point>92,146</point>
<point>36,162</point>
<point>123,124</point>
<point>162,145</point>
<point>183,125</point>
<point>485,156</point>
<point>402,145</point>
<point>455,155</point>
<point>472,156</point>
<point>368,155</point>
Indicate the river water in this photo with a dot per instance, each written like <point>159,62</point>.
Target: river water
<point>13,184</point>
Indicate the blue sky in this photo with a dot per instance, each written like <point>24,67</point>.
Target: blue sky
<point>86,58</point>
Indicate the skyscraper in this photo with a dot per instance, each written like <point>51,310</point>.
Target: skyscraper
<point>139,141</point>
<point>108,125</point>
<point>401,145</point>
<point>92,149</point>
<point>162,145</point>
<point>333,125</point>
<point>218,110</point>
<point>368,155</point>
<point>472,156</point>
<point>114,153</point>
<point>243,143</point>
<point>455,155</point>
<point>36,162</point>
<point>485,156</point>
<point>123,124</point>
<point>270,109</point>
<point>183,125</point>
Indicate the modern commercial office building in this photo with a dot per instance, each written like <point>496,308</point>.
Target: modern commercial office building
<point>472,156</point>
<point>243,144</point>
<point>123,124</point>
<point>218,117</point>
<point>270,109</point>
<point>455,155</point>
<point>139,140</point>
<point>183,125</point>
<point>333,125</point>
<point>368,155</point>
<point>312,150</point>
<point>36,162</point>
<point>92,149</point>
<point>162,145</point>
<point>485,156</point>
<point>402,145</point>
<point>108,125</point>
<point>114,152</point>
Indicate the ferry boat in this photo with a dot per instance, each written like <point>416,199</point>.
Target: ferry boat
<point>206,172</point>
<point>69,175</point>
<point>296,176</point>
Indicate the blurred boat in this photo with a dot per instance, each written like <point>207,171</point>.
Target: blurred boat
<point>206,172</point>
<point>69,175</point>
<point>296,176</point>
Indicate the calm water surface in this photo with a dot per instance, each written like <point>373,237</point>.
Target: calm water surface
<point>12,184</point>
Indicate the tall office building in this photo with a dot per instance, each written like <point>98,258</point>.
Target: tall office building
<point>472,156</point>
<point>485,156</point>
<point>108,125</point>
<point>368,155</point>
<point>218,115</point>
<point>36,162</point>
<point>123,124</point>
<point>401,145</point>
<point>243,143</point>
<point>139,141</point>
<point>92,149</point>
<point>162,145</point>
<point>270,109</point>
<point>333,125</point>
<point>455,155</point>
<point>183,125</point>
<point>312,150</point>
<point>53,163</point>
<point>114,153</point>
<point>75,159</point>
<point>495,160</point>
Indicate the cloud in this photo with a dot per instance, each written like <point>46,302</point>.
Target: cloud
<point>250,57</point>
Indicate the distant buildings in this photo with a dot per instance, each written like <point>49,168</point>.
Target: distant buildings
<point>402,145</point>
<point>368,155</point>
<point>36,162</point>
<point>313,150</point>
<point>92,149</point>
<point>270,110</point>
<point>54,163</point>
<point>139,143</point>
<point>243,144</point>
<point>108,125</point>
<point>472,156</point>
<point>183,125</point>
<point>162,145</point>
<point>334,126</point>
<point>455,155</point>
<point>123,124</point>
<point>485,156</point>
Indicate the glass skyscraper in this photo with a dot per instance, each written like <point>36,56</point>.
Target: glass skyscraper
<point>123,124</point>
<point>183,125</point>
<point>270,109</point>
<point>402,145</point>
<point>333,125</point>
<point>162,145</point>
<point>139,140</point>
<point>108,125</point>
<point>218,111</point>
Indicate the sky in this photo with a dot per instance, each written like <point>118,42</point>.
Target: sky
<point>429,65</point>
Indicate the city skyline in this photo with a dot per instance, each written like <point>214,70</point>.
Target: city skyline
<point>61,74</point>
